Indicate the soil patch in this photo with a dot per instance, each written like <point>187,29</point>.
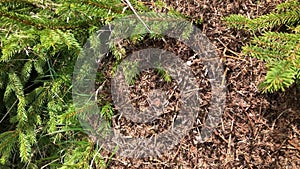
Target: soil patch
<point>257,130</point>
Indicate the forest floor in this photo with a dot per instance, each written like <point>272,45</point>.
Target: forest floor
<point>257,130</point>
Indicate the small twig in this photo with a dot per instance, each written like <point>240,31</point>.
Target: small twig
<point>136,14</point>
<point>294,145</point>
<point>8,111</point>
<point>274,122</point>
<point>94,157</point>
<point>99,88</point>
<point>231,51</point>
<point>229,140</point>
<point>116,159</point>
<point>224,76</point>
<point>46,165</point>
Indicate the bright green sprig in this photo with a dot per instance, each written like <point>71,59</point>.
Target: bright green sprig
<point>280,50</point>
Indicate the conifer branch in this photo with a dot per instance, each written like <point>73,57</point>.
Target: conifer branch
<point>280,50</point>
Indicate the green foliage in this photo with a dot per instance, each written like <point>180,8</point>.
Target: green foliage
<point>39,45</point>
<point>107,111</point>
<point>286,14</point>
<point>278,44</point>
<point>131,71</point>
<point>40,42</point>
<point>164,74</point>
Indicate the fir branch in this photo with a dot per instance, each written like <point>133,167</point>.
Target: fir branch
<point>267,22</point>
<point>289,5</point>
<point>136,14</point>
<point>16,43</point>
<point>273,46</point>
<point>279,49</point>
<point>7,145</point>
<point>115,7</point>
<point>25,148</point>
<point>280,76</point>
<point>40,42</point>
<point>20,19</point>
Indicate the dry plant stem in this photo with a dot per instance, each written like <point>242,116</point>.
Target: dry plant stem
<point>8,111</point>
<point>228,158</point>
<point>294,145</point>
<point>99,89</point>
<point>231,51</point>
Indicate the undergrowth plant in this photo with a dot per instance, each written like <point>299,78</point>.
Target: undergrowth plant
<point>40,41</point>
<point>131,72</point>
<point>277,42</point>
<point>164,74</point>
<point>39,44</point>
